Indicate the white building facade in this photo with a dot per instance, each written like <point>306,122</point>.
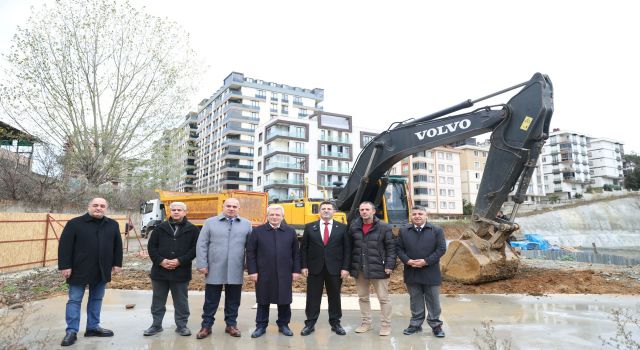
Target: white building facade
<point>313,153</point>
<point>227,124</point>
<point>606,162</point>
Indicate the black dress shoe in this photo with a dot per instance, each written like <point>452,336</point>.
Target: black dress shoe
<point>98,332</point>
<point>411,330</point>
<point>438,332</point>
<point>259,332</point>
<point>153,330</point>
<point>337,328</point>
<point>285,330</point>
<point>307,330</point>
<point>183,331</point>
<point>69,339</point>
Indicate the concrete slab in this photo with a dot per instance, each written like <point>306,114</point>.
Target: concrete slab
<point>548,322</point>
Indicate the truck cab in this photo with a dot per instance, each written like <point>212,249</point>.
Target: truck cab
<point>151,215</point>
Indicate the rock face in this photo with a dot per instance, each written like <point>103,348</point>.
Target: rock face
<point>609,224</point>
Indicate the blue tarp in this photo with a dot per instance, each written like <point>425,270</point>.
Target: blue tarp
<point>532,242</point>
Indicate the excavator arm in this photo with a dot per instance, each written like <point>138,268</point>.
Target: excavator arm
<point>518,129</point>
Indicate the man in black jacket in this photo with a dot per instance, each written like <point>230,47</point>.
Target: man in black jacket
<point>325,252</point>
<point>172,247</point>
<point>420,246</point>
<point>90,249</point>
<point>373,258</point>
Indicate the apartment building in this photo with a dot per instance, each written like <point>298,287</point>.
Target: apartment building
<point>172,165</point>
<point>565,162</point>
<point>434,180</point>
<point>227,123</point>
<point>473,158</point>
<point>605,161</point>
<point>317,151</point>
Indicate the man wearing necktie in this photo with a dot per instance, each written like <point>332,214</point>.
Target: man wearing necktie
<point>420,246</point>
<point>326,255</point>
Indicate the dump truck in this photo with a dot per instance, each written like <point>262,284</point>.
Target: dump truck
<point>202,206</point>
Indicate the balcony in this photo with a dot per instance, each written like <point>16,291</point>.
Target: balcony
<point>230,128</point>
<point>236,166</point>
<point>297,150</point>
<point>236,142</point>
<point>235,105</point>
<point>324,153</point>
<point>338,139</point>
<point>335,169</point>
<point>285,165</point>
<point>236,154</point>
<point>281,133</point>
<point>236,178</point>
<point>283,182</point>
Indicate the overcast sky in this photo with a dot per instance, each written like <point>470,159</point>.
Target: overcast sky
<point>389,61</point>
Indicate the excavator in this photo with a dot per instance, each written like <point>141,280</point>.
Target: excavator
<point>518,129</point>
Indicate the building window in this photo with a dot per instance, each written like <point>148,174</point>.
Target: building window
<point>443,205</point>
<point>441,167</point>
<point>450,180</point>
<point>254,103</point>
<point>449,155</point>
<point>274,96</point>
<point>452,205</point>
<point>476,164</point>
<point>419,165</point>
<point>285,109</point>
<point>297,100</point>
<point>261,94</point>
<point>451,193</point>
<point>259,181</point>
<point>443,192</point>
<point>442,180</point>
<point>260,137</point>
<point>477,175</point>
<point>259,166</point>
<point>440,155</point>
<point>259,151</point>
<point>449,168</point>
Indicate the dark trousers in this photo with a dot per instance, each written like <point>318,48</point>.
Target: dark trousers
<point>421,295</point>
<point>212,294</point>
<point>180,296</point>
<point>315,285</point>
<point>262,315</point>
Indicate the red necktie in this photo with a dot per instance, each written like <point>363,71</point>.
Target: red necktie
<point>325,239</point>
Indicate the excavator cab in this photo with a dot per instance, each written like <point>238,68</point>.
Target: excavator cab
<point>396,201</point>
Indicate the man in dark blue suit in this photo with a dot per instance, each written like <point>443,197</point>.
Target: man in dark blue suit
<point>326,254</point>
<point>420,247</point>
<point>273,261</point>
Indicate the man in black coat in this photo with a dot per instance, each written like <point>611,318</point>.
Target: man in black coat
<point>172,247</point>
<point>90,249</point>
<point>326,254</point>
<point>273,261</point>
<point>420,246</point>
<point>373,258</point>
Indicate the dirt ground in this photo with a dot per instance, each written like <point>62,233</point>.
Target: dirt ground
<point>536,277</point>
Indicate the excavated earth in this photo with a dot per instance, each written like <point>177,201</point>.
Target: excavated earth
<point>535,277</point>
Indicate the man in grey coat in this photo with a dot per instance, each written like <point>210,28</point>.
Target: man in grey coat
<point>220,255</point>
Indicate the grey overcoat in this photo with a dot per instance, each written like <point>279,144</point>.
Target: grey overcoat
<point>221,249</point>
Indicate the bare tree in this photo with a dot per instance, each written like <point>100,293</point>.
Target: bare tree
<point>98,79</point>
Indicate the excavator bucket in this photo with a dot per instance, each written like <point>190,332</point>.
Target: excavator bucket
<point>472,260</point>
